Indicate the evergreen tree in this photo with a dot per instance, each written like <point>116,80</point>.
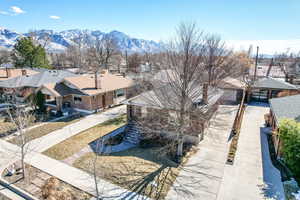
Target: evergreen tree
<point>39,101</point>
<point>28,54</point>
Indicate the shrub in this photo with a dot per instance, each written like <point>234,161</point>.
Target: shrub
<point>289,131</point>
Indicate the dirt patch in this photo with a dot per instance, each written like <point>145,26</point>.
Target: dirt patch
<point>40,185</point>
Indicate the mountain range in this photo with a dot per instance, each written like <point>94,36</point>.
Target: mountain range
<point>59,41</point>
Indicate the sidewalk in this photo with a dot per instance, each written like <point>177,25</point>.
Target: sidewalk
<point>202,175</point>
<point>252,176</point>
<point>66,173</point>
<point>43,143</point>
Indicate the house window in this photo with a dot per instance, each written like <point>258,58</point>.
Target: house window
<point>77,100</point>
<point>119,93</point>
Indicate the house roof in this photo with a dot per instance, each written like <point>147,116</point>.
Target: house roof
<point>60,89</point>
<point>276,71</point>
<point>232,83</point>
<point>286,107</point>
<point>108,82</point>
<point>271,83</point>
<point>165,98</point>
<point>36,80</point>
<point>14,73</point>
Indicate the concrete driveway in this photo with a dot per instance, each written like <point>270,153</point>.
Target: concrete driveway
<point>252,176</point>
<point>201,177</point>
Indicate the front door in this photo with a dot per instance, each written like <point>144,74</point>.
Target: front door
<point>103,101</point>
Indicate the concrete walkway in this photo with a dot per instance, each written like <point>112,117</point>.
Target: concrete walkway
<point>202,175</point>
<point>66,173</point>
<point>252,176</point>
<point>43,143</point>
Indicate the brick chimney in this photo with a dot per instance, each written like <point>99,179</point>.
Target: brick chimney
<point>205,93</point>
<point>97,82</point>
<point>24,72</point>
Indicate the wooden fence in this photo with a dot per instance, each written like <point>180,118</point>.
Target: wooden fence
<point>236,128</point>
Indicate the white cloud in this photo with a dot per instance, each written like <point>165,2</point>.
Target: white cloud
<point>3,12</point>
<point>54,17</point>
<point>16,10</point>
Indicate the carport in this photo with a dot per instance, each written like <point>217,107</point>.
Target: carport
<point>267,88</point>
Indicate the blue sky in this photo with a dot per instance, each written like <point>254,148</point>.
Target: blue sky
<point>238,20</point>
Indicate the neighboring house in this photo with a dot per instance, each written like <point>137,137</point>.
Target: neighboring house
<point>293,73</point>
<point>151,105</point>
<point>87,94</point>
<point>233,90</point>
<point>232,87</point>
<point>280,108</point>
<point>276,71</point>
<point>8,73</point>
<point>22,86</point>
<point>266,88</point>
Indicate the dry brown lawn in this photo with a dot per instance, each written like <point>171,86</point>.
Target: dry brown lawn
<point>45,129</point>
<point>77,142</point>
<point>138,169</point>
<point>6,127</point>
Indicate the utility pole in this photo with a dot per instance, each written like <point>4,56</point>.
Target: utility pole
<point>256,60</point>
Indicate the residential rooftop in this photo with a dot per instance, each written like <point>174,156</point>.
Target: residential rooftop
<point>165,98</point>
<point>107,82</point>
<point>271,83</point>
<point>286,107</point>
<point>9,73</point>
<point>37,79</point>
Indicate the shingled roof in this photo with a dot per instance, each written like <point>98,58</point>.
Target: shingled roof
<point>37,80</point>
<point>271,83</point>
<point>60,89</point>
<point>286,107</point>
<point>165,98</point>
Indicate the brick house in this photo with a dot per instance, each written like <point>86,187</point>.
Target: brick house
<point>23,82</point>
<point>160,115</point>
<point>87,94</point>
<point>280,108</point>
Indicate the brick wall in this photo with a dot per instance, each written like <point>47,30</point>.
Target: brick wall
<point>156,119</point>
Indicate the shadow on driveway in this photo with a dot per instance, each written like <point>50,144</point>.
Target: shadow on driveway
<point>273,187</point>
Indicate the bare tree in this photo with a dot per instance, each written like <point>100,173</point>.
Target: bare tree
<point>218,59</point>
<point>133,62</point>
<point>178,87</point>
<point>4,57</point>
<point>98,152</point>
<point>22,119</point>
<point>99,56</point>
<point>102,52</point>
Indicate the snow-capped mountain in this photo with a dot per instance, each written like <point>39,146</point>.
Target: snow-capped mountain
<point>59,41</point>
